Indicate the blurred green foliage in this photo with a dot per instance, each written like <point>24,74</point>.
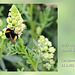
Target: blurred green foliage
<point>41,21</point>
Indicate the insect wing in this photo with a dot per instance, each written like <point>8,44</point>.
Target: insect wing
<point>12,40</point>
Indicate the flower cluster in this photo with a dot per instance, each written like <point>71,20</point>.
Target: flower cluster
<point>14,21</point>
<point>47,51</point>
<point>2,33</point>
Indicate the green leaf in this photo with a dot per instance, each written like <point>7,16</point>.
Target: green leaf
<point>35,42</point>
<point>41,17</point>
<point>12,58</point>
<point>1,9</point>
<point>39,61</point>
<point>28,61</point>
<point>3,65</point>
<point>51,18</point>
<point>49,24</point>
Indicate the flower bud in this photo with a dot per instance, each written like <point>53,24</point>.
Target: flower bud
<point>38,30</point>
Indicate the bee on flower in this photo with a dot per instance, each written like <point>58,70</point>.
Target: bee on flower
<point>15,25</point>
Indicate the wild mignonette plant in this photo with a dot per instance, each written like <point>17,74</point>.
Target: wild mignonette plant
<point>47,52</point>
<point>41,53</point>
<point>15,20</point>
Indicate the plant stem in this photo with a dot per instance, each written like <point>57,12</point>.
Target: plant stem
<point>1,50</point>
<point>34,66</point>
<point>31,22</point>
<point>53,68</point>
<point>32,63</point>
<point>21,43</point>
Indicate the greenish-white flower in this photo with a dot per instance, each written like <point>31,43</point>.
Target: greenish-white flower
<point>45,48</point>
<point>46,55</point>
<point>9,25</point>
<point>47,65</point>
<point>52,49</point>
<point>8,20</point>
<point>9,14</point>
<point>3,37</point>
<point>0,33</point>
<point>12,18</point>
<point>39,41</point>
<point>49,43</point>
<point>17,29</point>
<point>52,61</point>
<point>51,55</point>
<point>46,43</point>
<point>46,39</point>
<point>19,22</point>
<point>14,22</point>
<point>41,49</point>
<point>17,18</point>
<point>4,29</point>
<point>41,37</point>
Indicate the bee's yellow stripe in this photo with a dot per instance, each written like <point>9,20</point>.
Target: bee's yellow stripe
<point>15,38</point>
<point>7,31</point>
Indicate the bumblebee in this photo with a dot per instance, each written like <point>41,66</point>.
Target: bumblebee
<point>11,35</point>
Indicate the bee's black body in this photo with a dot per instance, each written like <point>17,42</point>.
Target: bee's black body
<point>11,35</point>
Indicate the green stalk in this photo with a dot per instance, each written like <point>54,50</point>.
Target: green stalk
<point>32,63</point>
<point>1,49</point>
<point>21,43</point>
<point>53,68</point>
<point>34,66</point>
<point>31,22</point>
